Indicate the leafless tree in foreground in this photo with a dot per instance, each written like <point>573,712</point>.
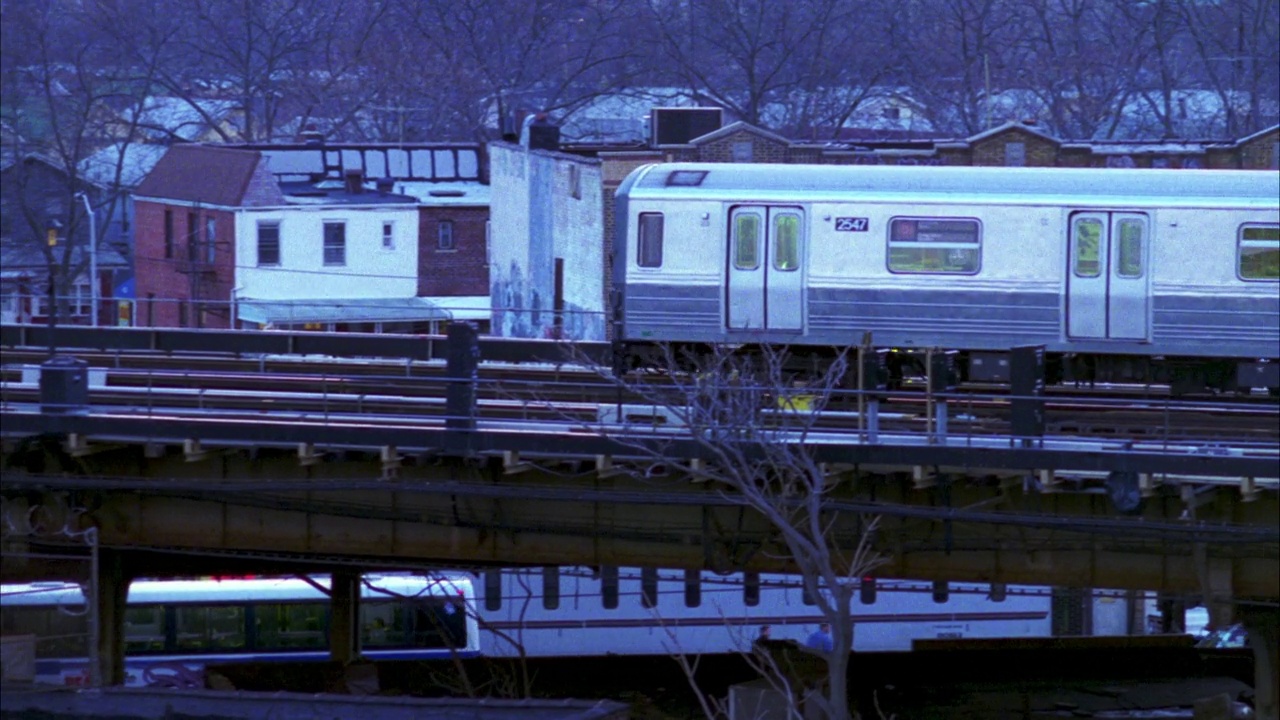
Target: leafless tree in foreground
<point>751,418</point>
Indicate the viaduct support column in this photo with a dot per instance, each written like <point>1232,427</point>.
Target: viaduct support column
<point>344,616</point>
<point>1264,636</point>
<point>106,618</point>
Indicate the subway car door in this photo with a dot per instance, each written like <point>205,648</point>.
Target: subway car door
<point>1108,295</point>
<point>764,283</point>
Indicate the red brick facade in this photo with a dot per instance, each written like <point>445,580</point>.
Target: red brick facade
<point>183,285</point>
<point>462,270</point>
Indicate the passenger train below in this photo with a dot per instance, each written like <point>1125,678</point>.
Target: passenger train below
<point>173,628</point>
<point>1121,275</point>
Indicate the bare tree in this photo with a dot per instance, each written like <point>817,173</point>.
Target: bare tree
<point>65,79</point>
<point>489,57</point>
<point>1086,54</point>
<point>957,54</point>
<point>752,420</point>
<point>799,66</point>
<point>1237,43</point>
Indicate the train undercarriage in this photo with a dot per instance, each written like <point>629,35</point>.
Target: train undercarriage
<point>893,368</point>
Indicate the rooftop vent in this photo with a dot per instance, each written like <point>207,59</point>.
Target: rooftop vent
<point>677,126</point>
<point>354,179</point>
<point>312,136</point>
<point>542,134</point>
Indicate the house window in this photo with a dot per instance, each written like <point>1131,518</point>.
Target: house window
<point>210,238</point>
<point>892,113</point>
<point>268,243</point>
<point>444,235</point>
<point>1015,154</point>
<point>168,234</point>
<point>193,237</point>
<point>388,235</point>
<point>743,151</point>
<point>335,243</point>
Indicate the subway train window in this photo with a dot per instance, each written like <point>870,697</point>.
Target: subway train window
<point>1131,232</point>
<point>1086,262</point>
<point>786,241</point>
<point>935,245</point>
<point>1259,252</point>
<point>650,251</point>
<point>746,241</point>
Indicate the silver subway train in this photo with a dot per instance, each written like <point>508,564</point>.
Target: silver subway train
<point>1124,275</point>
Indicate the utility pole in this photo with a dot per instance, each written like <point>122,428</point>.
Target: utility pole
<point>93,259</point>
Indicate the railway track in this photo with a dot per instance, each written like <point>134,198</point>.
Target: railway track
<point>572,402</point>
<point>556,378</point>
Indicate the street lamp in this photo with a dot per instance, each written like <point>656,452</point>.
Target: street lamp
<point>93,259</point>
<point>51,237</point>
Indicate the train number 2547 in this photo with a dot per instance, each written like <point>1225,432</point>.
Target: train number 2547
<point>851,224</point>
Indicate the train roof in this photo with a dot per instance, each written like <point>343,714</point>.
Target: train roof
<point>747,181</point>
<point>240,590</point>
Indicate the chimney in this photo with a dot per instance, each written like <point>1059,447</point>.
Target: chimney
<point>354,180</point>
<point>510,128</point>
<point>542,134</point>
<point>312,137</point>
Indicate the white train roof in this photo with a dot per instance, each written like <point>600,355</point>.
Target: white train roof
<point>746,181</point>
<point>241,590</point>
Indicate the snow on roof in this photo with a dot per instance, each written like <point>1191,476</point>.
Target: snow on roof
<point>139,159</point>
<point>177,116</point>
<point>444,193</point>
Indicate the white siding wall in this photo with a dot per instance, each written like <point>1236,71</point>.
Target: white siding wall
<point>370,271</point>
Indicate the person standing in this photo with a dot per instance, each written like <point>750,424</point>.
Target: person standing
<point>821,639</point>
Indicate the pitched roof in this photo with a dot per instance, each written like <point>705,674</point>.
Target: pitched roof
<point>199,173</point>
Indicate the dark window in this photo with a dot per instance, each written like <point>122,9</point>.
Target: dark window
<point>168,233</point>
<point>193,237</point>
<point>935,245</point>
<point>444,235</point>
<point>209,627</point>
<point>388,235</point>
<point>649,587</point>
<point>268,243</point>
<point>551,587</point>
<point>335,243</point>
<point>144,630</point>
<point>493,590</point>
<point>279,626</point>
<point>650,231</point>
<point>182,313</point>
<point>692,588</point>
<point>609,587</point>
<point>686,178</point>
<point>751,589</point>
